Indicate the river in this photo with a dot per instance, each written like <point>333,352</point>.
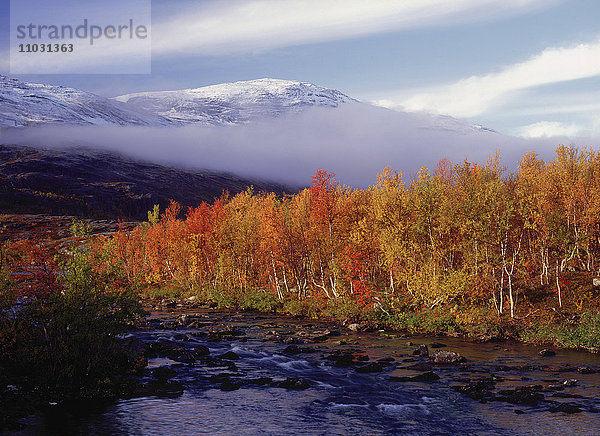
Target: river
<point>265,386</point>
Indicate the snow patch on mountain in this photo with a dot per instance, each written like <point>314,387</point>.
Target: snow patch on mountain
<point>24,104</point>
<point>238,102</point>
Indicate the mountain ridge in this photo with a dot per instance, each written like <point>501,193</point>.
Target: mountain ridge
<point>236,102</point>
<point>24,104</point>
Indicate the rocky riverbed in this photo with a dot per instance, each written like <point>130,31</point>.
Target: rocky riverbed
<point>215,372</point>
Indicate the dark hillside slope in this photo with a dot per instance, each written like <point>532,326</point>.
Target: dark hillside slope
<point>94,184</point>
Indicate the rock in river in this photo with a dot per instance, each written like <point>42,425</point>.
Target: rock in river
<point>370,367</point>
<point>442,357</point>
<point>295,383</point>
<point>230,355</point>
<point>425,377</point>
<point>421,350</point>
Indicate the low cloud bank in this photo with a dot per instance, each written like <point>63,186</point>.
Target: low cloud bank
<point>354,141</point>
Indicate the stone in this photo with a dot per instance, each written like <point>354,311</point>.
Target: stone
<point>421,350</point>
<point>228,386</point>
<point>230,355</point>
<point>530,395</point>
<point>135,345</point>
<point>442,357</point>
<point>370,367</point>
<point>566,408</point>
<point>163,372</point>
<point>176,352</point>
<point>425,377</point>
<point>163,388</point>
<point>354,327</point>
<point>294,383</point>
<point>341,358</point>
<point>437,345</point>
<point>295,349</point>
<point>292,350</point>
<point>477,390</point>
<point>261,381</point>
<point>420,366</point>
<point>201,350</point>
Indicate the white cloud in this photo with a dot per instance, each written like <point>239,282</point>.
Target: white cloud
<point>477,94</point>
<point>548,129</point>
<point>221,27</point>
<point>252,25</point>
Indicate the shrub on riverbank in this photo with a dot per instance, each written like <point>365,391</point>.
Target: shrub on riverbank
<point>60,324</point>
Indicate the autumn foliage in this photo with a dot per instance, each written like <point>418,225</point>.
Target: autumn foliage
<point>467,233</point>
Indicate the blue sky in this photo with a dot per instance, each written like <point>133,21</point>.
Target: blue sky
<point>523,67</point>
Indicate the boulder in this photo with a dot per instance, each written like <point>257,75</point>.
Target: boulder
<point>295,383</point>
<point>163,372</point>
<point>566,408</point>
<point>442,357</point>
<point>478,389</point>
<point>421,350</point>
<point>530,395</point>
<point>230,355</point>
<point>135,345</point>
<point>437,345</point>
<point>354,327</point>
<point>228,386</point>
<point>176,352</point>
<point>342,358</point>
<point>425,377</point>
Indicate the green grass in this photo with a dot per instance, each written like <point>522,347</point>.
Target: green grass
<point>573,333</point>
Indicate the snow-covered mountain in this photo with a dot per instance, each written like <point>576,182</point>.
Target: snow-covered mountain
<point>238,102</point>
<point>24,104</point>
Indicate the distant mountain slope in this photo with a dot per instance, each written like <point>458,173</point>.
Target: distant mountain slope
<point>238,102</point>
<point>24,104</point>
<point>105,185</point>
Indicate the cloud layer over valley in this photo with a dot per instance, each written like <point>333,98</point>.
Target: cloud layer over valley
<point>355,142</point>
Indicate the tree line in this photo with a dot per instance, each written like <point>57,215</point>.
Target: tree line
<point>463,234</point>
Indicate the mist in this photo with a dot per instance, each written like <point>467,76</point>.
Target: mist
<point>355,141</point>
